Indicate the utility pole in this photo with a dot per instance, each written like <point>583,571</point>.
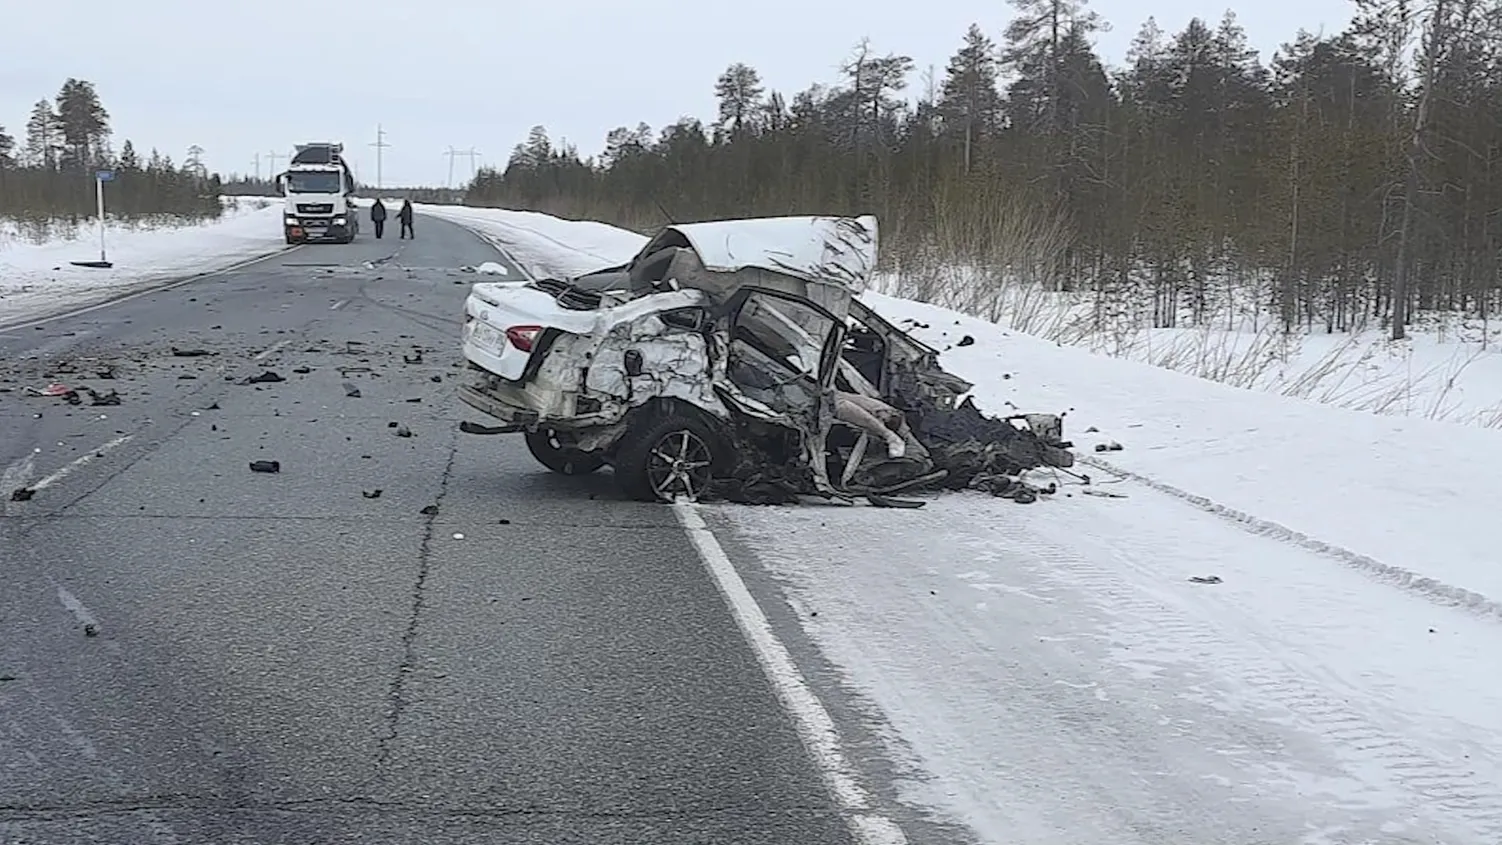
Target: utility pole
<point>257,162</point>
<point>380,144</point>
<point>274,155</point>
<point>470,154</point>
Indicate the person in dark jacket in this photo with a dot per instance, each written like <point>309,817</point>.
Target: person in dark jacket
<point>405,215</point>
<point>378,217</point>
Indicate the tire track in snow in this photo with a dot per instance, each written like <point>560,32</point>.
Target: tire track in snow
<point>1447,595</point>
<point>1160,627</point>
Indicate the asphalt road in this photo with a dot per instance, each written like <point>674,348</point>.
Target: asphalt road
<point>191,652</point>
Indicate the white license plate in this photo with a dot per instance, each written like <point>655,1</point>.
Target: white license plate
<point>487,337</point>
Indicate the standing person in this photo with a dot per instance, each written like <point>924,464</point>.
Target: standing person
<point>405,215</point>
<point>378,217</point>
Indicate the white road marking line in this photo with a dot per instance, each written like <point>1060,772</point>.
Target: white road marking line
<point>17,473</point>
<point>340,304</point>
<point>271,350</point>
<point>68,470</point>
<point>76,607</point>
<point>813,723</point>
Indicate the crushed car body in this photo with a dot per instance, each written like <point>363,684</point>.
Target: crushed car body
<point>731,359</point>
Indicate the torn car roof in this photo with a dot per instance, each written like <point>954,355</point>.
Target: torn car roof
<point>817,249</point>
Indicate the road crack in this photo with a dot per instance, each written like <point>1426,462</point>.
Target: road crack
<point>396,695</point>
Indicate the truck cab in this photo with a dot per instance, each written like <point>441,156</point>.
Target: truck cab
<point>319,191</point>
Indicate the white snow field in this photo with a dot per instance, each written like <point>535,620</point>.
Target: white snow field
<point>1051,674</point>
<point>36,279</point>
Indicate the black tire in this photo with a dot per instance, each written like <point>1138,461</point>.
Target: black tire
<point>639,464</point>
<point>561,459</point>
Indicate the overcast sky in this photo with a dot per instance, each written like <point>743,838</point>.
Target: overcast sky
<point>479,73</point>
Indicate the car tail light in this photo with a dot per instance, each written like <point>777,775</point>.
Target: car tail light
<point>522,337</point>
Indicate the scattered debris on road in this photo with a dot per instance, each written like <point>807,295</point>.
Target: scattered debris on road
<point>371,494</point>
<point>267,377</point>
<point>190,353</point>
<point>22,494</point>
<point>403,431</point>
<point>265,466</point>
<point>1205,579</point>
<point>108,398</point>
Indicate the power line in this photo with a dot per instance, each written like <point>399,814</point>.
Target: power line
<point>273,155</point>
<point>380,144</point>
<point>472,154</point>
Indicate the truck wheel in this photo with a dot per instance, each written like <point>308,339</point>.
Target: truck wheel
<point>667,457</point>
<point>549,452</point>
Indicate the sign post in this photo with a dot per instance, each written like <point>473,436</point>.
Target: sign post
<point>100,177</point>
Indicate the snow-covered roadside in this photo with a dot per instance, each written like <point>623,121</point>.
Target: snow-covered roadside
<point>38,279</point>
<point>1059,678</point>
<point>1448,368</point>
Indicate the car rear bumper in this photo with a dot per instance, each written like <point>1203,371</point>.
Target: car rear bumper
<point>520,419</point>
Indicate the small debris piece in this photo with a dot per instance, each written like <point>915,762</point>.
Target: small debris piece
<point>371,494</point>
<point>105,373</point>
<point>392,425</point>
<point>89,630</point>
<point>303,370</point>
<point>412,359</point>
<point>1112,446</point>
<point>503,522</point>
<point>55,389</point>
<point>436,379</point>
<point>430,510</point>
<point>6,676</point>
<point>458,536</point>
<point>1205,579</point>
<point>97,398</point>
<point>22,494</point>
<point>351,391</point>
<point>418,399</point>
<point>213,407</point>
<point>403,431</point>
<point>880,501</point>
<point>265,466</point>
<point>186,377</point>
<point>967,340</point>
<point>267,377</point>
<point>190,353</point>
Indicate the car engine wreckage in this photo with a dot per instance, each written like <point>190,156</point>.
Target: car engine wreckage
<point>732,360</point>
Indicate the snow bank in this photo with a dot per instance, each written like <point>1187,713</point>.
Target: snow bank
<point>1449,367</point>
<point>38,278</point>
<point>1407,500</point>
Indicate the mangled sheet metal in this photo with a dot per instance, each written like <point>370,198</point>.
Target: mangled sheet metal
<point>745,333</point>
<point>825,260</point>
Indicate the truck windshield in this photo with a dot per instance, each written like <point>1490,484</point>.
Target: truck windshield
<point>313,183</point>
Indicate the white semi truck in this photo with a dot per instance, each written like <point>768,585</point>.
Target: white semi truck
<point>320,195</point>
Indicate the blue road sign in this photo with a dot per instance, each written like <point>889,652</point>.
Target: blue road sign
<point>104,175</point>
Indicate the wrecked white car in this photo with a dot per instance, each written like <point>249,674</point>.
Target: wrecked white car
<point>730,359</point>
